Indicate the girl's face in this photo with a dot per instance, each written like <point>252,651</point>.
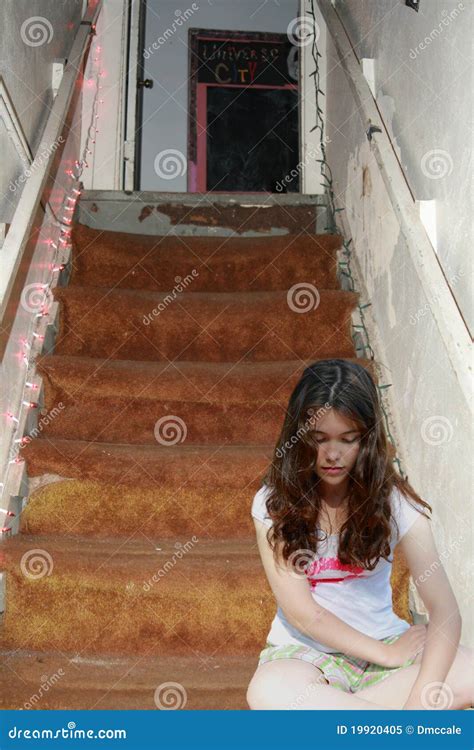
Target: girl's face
<point>338,439</point>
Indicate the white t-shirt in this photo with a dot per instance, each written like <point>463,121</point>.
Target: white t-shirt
<point>360,597</point>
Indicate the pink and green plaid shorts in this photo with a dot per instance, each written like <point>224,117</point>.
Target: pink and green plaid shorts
<point>344,672</point>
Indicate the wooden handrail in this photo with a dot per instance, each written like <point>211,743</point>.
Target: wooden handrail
<point>20,241</point>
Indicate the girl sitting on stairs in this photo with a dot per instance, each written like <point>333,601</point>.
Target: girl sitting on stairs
<point>327,517</point>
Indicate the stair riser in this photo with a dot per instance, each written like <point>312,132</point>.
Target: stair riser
<point>184,214</point>
<point>167,610</point>
<point>202,264</point>
<point>58,681</point>
<point>176,422</point>
<point>114,401</point>
<point>127,326</point>
<point>74,508</point>
<point>223,468</point>
<point>57,698</point>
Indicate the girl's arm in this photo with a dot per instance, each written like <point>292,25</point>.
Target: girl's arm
<point>293,595</point>
<point>444,627</point>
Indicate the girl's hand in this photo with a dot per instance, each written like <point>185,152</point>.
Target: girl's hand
<point>406,647</point>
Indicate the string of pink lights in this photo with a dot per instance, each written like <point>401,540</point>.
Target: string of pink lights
<point>40,299</point>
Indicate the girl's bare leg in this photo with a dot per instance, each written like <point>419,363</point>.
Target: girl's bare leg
<point>291,684</point>
<point>458,694</point>
<point>295,685</point>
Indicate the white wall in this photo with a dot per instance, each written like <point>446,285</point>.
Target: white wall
<point>166,105</point>
<point>27,52</point>
<point>429,409</point>
<point>424,84</point>
<point>312,138</point>
<point>106,163</point>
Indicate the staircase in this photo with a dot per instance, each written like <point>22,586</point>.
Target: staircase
<point>135,580</point>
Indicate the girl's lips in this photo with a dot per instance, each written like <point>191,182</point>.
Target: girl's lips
<point>332,469</point>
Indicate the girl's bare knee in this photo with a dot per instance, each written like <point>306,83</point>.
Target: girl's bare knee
<point>282,685</point>
<point>260,690</point>
<point>256,692</point>
<point>253,698</point>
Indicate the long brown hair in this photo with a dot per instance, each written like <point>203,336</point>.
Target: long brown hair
<point>293,502</point>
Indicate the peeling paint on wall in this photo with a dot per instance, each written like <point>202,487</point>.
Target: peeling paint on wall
<point>240,218</point>
<point>375,229</point>
<point>431,417</point>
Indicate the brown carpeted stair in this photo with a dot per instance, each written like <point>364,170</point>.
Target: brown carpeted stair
<point>126,682</point>
<point>201,326</point>
<point>224,264</point>
<point>136,564</point>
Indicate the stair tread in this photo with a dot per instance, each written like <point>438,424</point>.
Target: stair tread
<point>120,251</point>
<point>31,664</point>
<point>240,298</point>
<point>210,680</point>
<point>108,258</point>
<point>208,243</point>
<point>131,596</point>
<point>131,556</point>
<point>228,466</point>
<point>151,451</point>
<point>122,401</point>
<point>216,382</point>
<point>129,324</point>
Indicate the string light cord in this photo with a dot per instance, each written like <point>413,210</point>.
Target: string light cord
<point>41,293</point>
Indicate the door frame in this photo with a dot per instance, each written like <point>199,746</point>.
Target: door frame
<point>310,138</point>
<point>133,70</point>
<point>197,101</point>
<point>133,67</point>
